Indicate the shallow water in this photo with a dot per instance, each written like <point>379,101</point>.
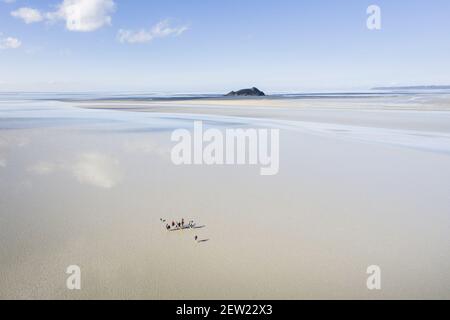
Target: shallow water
<point>88,187</point>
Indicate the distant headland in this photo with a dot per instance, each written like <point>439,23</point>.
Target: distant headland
<point>253,92</point>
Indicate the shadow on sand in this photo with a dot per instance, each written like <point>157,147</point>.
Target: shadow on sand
<point>187,228</point>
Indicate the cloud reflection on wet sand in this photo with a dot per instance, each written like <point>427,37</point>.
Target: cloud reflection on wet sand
<point>95,169</point>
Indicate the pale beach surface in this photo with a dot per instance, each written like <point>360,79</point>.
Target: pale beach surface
<point>364,180</point>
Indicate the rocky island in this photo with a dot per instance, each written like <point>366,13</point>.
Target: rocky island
<point>253,92</point>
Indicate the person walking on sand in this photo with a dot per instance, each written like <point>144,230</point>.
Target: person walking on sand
<point>196,238</point>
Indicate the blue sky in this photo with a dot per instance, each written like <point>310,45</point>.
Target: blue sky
<point>216,46</point>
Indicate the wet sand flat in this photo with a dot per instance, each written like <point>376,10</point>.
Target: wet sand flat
<point>361,183</point>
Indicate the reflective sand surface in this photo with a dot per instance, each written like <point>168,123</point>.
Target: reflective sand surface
<point>359,184</point>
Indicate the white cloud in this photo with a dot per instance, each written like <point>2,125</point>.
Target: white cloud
<point>94,169</point>
<point>79,15</point>
<point>84,15</point>
<point>10,142</point>
<point>10,43</point>
<point>97,170</point>
<point>28,15</point>
<point>43,168</point>
<point>8,1</point>
<point>147,147</point>
<point>161,30</point>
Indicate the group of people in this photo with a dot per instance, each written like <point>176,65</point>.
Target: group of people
<point>179,225</point>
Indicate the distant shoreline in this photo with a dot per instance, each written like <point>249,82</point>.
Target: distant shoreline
<point>218,97</point>
<point>106,97</point>
<point>414,88</point>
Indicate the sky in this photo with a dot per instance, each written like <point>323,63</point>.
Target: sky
<point>218,46</point>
